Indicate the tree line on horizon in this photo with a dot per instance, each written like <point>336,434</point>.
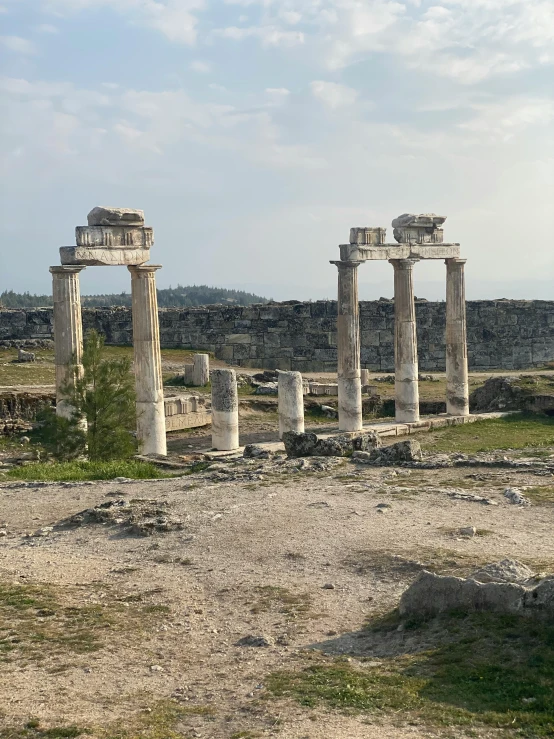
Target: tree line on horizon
<point>171,297</point>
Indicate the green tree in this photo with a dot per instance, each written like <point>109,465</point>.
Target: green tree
<point>103,396</point>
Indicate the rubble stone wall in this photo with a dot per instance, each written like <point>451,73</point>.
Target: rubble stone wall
<point>502,334</point>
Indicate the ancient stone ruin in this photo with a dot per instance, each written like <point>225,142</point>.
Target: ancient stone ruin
<point>113,236</point>
<point>419,237</point>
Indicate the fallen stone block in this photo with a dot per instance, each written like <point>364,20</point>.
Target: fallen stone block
<point>343,445</point>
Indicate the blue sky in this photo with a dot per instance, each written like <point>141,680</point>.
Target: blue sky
<point>255,133</point>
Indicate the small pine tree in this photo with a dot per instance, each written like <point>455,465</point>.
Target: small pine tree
<point>104,396</point>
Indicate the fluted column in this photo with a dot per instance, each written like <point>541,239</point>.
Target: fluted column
<point>68,332</point>
<point>348,342</point>
<point>457,387</point>
<point>405,342</point>
<point>148,364</point>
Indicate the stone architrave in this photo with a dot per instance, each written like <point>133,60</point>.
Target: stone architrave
<point>148,366</point>
<point>405,343</point>
<point>457,386</point>
<point>291,402</point>
<point>68,332</point>
<point>225,410</point>
<point>97,256</point>
<point>348,340</point>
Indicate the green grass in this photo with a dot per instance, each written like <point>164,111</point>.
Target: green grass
<point>478,670</point>
<point>541,494</point>
<point>517,431</point>
<point>84,470</point>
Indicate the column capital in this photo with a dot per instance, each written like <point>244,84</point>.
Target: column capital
<point>140,270</point>
<point>73,269</point>
<point>340,263</point>
<point>403,263</point>
<point>455,261</point>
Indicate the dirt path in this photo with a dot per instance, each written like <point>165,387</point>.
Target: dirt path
<point>253,558</point>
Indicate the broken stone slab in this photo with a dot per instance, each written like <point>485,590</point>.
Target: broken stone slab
<point>109,216</point>
<point>516,497</point>
<point>256,451</point>
<point>402,451</point>
<point>432,594</point>
<point>103,256</point>
<point>114,236</point>
<point>343,445</point>
<point>419,229</point>
<point>507,570</point>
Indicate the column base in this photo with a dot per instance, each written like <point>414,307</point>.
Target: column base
<point>406,391</point>
<point>350,404</point>
<point>151,427</point>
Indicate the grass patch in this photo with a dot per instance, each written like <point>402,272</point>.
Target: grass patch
<point>517,431</point>
<point>84,470</point>
<point>479,670</point>
<point>39,622</point>
<point>293,605</point>
<point>541,494</point>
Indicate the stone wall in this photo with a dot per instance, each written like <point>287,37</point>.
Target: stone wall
<point>502,334</point>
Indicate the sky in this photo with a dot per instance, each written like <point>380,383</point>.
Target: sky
<point>255,133</point>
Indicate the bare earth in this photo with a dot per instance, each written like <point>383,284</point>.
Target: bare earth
<point>256,549</point>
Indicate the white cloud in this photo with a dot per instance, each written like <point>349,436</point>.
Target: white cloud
<point>46,28</point>
<point>199,66</point>
<point>332,94</point>
<point>18,45</point>
<point>268,35</point>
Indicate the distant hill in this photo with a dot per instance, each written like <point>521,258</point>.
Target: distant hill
<point>171,297</point>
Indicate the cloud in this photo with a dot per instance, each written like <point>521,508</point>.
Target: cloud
<point>18,45</point>
<point>332,94</point>
<point>268,35</point>
<point>199,66</point>
<point>46,28</point>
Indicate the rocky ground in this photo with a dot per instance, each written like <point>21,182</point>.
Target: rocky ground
<point>162,608</point>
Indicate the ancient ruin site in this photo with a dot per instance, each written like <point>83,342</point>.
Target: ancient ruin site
<point>301,520</point>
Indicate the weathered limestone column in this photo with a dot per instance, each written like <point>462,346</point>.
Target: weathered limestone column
<point>225,410</point>
<point>68,331</point>
<point>364,374</point>
<point>200,369</point>
<point>457,386</point>
<point>291,402</point>
<point>405,342</point>
<point>348,340</point>
<point>148,363</point>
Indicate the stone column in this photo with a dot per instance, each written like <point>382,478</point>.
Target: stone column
<point>68,331</point>
<point>405,342</point>
<point>200,369</point>
<point>457,387</point>
<point>225,410</point>
<point>148,363</point>
<point>291,402</point>
<point>348,340</point>
<point>364,374</point>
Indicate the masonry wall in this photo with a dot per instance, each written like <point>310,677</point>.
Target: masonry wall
<point>502,334</point>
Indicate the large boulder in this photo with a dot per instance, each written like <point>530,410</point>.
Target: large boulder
<point>342,445</point>
<point>432,594</point>
<point>501,394</point>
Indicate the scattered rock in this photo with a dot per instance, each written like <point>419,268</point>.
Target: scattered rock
<point>329,412</point>
<point>471,498</point>
<point>255,451</point>
<point>140,518</point>
<point>266,376</point>
<point>507,570</point>
<point>328,586</point>
<point>268,388</point>
<point>515,497</point>
<point>23,356</point>
<point>402,451</point>
<point>254,641</point>
<point>469,531</point>
<point>309,445</point>
<point>156,668</point>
